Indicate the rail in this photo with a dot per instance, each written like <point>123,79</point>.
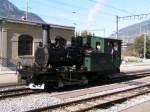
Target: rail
<point>139,90</point>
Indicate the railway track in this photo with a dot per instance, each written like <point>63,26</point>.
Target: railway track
<point>129,74</point>
<point>11,85</point>
<point>124,77</point>
<point>89,103</point>
<point>16,92</point>
<point>107,91</point>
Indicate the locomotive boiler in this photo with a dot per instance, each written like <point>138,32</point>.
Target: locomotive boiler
<point>84,60</point>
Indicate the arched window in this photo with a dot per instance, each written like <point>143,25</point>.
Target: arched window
<point>25,44</point>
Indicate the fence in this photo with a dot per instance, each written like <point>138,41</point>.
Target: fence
<point>10,64</point>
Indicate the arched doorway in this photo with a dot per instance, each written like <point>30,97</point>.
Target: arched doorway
<point>25,45</point>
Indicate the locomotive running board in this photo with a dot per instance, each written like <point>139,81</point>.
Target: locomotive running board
<point>33,86</point>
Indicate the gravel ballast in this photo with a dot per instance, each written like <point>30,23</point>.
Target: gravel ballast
<point>30,102</point>
<point>36,101</point>
<point>27,103</point>
<point>125,105</point>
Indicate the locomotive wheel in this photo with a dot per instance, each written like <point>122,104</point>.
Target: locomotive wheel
<point>59,84</point>
<point>84,80</point>
<point>118,70</point>
<point>47,86</point>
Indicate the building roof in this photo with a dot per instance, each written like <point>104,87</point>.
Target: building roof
<point>35,23</point>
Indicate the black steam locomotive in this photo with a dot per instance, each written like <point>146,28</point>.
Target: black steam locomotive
<point>84,60</point>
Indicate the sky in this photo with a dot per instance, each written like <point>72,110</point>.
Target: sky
<point>96,16</point>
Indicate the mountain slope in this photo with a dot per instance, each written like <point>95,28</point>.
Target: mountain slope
<point>7,9</point>
<point>131,32</point>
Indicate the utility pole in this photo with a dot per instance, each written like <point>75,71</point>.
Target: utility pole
<point>145,46</point>
<point>117,20</point>
<point>27,6</point>
<point>74,15</point>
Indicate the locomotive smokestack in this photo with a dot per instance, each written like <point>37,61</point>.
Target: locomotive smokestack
<point>46,38</point>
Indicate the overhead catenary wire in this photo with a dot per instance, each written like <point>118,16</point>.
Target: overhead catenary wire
<point>115,8</point>
<point>76,7</point>
<point>137,16</point>
<point>106,5</point>
<point>64,4</point>
<point>70,8</point>
<point>57,18</point>
<point>73,7</point>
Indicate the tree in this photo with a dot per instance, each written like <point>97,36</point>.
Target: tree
<point>86,33</point>
<point>139,45</point>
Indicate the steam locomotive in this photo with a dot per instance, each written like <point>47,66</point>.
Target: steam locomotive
<point>58,64</point>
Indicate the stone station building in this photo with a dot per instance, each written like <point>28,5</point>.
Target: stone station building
<point>19,39</point>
